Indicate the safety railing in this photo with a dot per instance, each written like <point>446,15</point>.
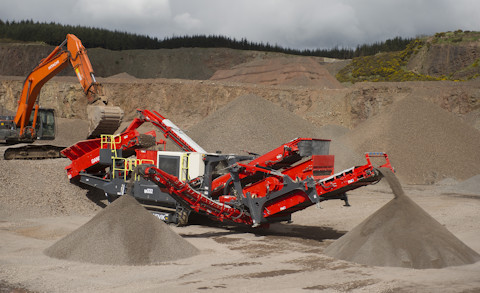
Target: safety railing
<point>110,141</point>
<point>127,166</point>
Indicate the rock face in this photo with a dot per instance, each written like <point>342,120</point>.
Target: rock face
<point>188,102</point>
<point>280,71</point>
<point>447,60</point>
<point>299,84</point>
<point>402,234</point>
<point>185,63</point>
<point>20,59</point>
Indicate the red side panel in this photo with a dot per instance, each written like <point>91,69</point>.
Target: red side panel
<point>147,155</point>
<point>323,166</point>
<point>86,154</point>
<point>83,155</point>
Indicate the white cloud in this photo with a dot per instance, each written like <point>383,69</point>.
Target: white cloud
<point>186,21</point>
<point>139,10</point>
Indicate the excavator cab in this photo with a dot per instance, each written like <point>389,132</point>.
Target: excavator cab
<point>45,126</point>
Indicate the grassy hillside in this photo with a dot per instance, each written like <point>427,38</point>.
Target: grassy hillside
<point>445,56</point>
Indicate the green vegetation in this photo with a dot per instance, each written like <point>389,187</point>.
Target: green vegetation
<point>456,37</point>
<point>54,34</point>
<point>389,66</point>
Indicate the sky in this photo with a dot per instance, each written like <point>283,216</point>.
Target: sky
<point>296,24</point>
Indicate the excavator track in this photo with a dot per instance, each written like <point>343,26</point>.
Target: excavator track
<point>33,152</point>
<point>103,119</point>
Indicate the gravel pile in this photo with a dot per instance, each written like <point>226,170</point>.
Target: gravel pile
<point>69,132</point>
<point>41,188</point>
<point>402,234</point>
<point>124,233</point>
<point>122,75</point>
<point>470,186</point>
<point>426,144</point>
<point>249,123</point>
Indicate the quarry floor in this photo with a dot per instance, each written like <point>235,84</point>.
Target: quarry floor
<point>284,258</point>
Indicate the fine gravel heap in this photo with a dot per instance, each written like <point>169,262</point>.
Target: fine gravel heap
<point>249,123</point>
<point>471,186</point>
<point>425,143</point>
<point>36,188</point>
<point>401,234</point>
<point>124,233</point>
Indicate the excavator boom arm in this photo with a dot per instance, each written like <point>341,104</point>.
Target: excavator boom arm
<point>34,83</point>
<point>71,50</point>
<point>82,67</point>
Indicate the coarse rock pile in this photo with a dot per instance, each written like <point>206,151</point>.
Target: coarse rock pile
<point>124,233</point>
<point>298,71</point>
<point>401,234</point>
<point>425,143</point>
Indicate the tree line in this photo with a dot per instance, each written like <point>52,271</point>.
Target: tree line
<point>53,34</point>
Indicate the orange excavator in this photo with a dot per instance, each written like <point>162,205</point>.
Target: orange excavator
<point>32,122</point>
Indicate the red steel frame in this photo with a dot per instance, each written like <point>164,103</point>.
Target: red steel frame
<point>308,192</point>
<point>85,154</point>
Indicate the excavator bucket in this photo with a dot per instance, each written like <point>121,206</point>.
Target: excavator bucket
<point>103,119</point>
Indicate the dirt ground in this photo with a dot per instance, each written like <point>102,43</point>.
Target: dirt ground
<point>285,258</point>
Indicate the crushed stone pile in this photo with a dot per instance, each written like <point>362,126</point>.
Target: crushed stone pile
<point>27,189</point>
<point>34,188</point>
<point>401,234</point>
<point>280,71</point>
<point>69,132</point>
<point>426,144</point>
<point>471,186</point>
<point>251,123</point>
<point>122,75</point>
<point>124,233</point>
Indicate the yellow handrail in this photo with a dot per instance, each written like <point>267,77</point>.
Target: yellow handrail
<point>128,166</point>
<point>110,141</point>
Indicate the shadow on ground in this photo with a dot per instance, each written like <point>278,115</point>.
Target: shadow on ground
<point>278,229</point>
